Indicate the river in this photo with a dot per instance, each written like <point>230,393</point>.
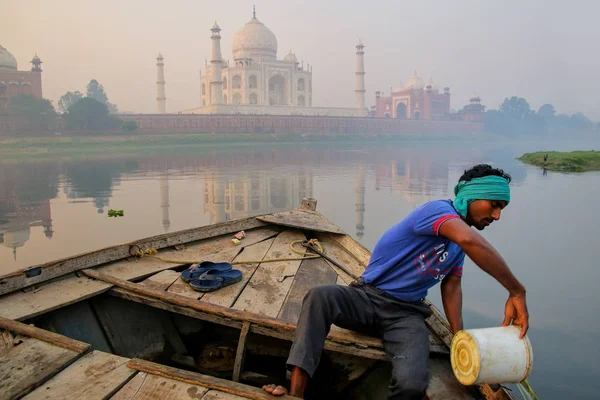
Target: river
<point>548,234</point>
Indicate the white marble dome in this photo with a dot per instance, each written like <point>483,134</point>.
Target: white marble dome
<point>7,60</point>
<point>414,83</point>
<point>255,38</point>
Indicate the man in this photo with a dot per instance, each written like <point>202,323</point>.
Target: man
<point>425,248</point>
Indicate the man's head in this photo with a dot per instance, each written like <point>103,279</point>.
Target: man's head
<point>481,194</point>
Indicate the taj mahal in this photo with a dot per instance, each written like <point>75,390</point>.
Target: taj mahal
<point>259,83</point>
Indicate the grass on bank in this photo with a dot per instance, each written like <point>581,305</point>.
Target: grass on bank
<point>574,161</point>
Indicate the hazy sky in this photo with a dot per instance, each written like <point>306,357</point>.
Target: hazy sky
<point>543,50</point>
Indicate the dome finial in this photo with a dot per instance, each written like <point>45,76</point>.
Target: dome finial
<point>254,11</point>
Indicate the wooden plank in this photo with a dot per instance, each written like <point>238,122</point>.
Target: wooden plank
<point>97,375</point>
<point>182,288</point>
<point>149,387</point>
<point>29,365</point>
<point>311,273</point>
<point>302,219</point>
<point>49,296</point>
<point>341,281</point>
<point>240,354</point>
<point>6,342</point>
<point>216,395</point>
<point>228,295</point>
<point>18,279</point>
<point>162,280</point>
<point>270,284</point>
<point>214,249</point>
<point>210,382</point>
<point>46,336</point>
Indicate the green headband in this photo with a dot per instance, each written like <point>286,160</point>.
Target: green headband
<point>489,187</point>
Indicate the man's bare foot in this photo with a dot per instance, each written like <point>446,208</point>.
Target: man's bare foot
<point>275,390</point>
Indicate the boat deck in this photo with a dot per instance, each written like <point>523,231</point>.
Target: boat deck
<point>37,364</point>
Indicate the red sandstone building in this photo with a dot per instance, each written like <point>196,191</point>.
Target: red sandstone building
<point>414,100</point>
<point>14,82</point>
<point>474,111</point>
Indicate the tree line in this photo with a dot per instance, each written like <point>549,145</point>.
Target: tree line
<point>516,117</point>
<point>91,111</point>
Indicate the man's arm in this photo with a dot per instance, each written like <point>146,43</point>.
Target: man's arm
<point>488,259</point>
<point>452,300</point>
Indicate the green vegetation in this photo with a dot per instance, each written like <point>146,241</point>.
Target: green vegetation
<point>574,161</point>
<point>115,213</point>
<point>90,114</point>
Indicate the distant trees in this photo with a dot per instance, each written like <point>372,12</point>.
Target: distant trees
<point>32,109</point>
<point>96,91</point>
<point>68,99</point>
<point>515,117</point>
<point>90,114</point>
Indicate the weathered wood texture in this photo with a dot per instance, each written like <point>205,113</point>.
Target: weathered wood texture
<point>152,387</point>
<point>311,273</point>
<point>302,219</point>
<point>210,382</point>
<point>227,296</point>
<point>30,364</point>
<point>342,256</point>
<point>78,322</point>
<point>162,280</point>
<point>217,395</point>
<point>182,288</point>
<point>97,375</point>
<point>214,249</point>
<point>269,286</point>
<point>49,296</point>
<point>240,354</point>
<point>6,342</point>
<point>46,336</point>
<point>18,280</point>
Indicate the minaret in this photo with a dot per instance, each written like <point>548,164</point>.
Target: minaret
<point>360,201</point>
<point>164,201</point>
<point>36,68</point>
<point>216,82</point>
<point>360,79</point>
<point>161,99</point>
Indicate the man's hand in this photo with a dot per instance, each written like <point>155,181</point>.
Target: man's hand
<point>515,311</point>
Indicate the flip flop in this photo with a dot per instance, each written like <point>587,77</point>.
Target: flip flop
<point>214,279</point>
<point>196,270</point>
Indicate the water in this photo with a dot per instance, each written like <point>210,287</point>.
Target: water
<point>548,234</point>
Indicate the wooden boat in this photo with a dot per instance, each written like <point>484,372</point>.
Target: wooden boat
<point>109,324</point>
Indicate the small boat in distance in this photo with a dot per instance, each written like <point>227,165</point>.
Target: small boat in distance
<point>110,324</point>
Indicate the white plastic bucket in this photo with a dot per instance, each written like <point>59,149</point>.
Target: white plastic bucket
<point>491,355</point>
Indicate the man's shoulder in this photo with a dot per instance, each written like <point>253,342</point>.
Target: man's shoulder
<point>436,207</point>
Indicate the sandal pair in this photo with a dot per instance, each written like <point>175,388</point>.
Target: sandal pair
<point>208,276</point>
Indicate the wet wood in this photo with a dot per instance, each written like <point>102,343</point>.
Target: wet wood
<point>210,382</point>
<point>240,354</point>
<point>311,273</point>
<point>302,219</point>
<point>46,336</point>
<point>97,375</point>
<point>18,280</point>
<point>270,284</point>
<point>29,365</point>
<point>152,387</point>
<point>227,296</point>
<point>214,249</point>
<point>162,280</point>
<point>216,395</point>
<point>49,296</point>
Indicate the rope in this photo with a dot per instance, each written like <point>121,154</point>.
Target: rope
<point>314,242</point>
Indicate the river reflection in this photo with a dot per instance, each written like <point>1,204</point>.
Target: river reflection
<point>55,209</point>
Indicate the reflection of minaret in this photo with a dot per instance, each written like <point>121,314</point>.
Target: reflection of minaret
<point>360,201</point>
<point>360,79</point>
<point>164,201</point>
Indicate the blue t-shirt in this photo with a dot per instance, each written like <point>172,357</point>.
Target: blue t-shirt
<point>410,257</point>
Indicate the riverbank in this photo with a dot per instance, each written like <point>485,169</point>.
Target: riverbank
<point>39,148</point>
<point>574,161</point>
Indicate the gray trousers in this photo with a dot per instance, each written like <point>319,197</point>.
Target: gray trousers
<point>366,309</point>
